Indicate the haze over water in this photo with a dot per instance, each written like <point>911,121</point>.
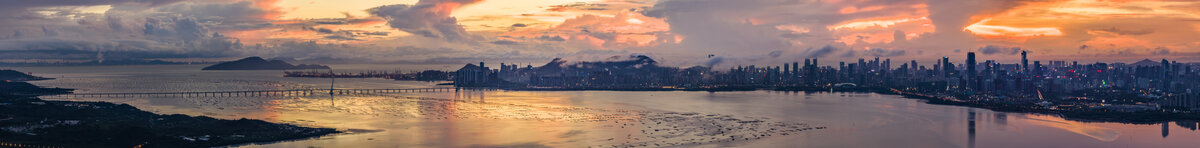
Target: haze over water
<point>593,118</point>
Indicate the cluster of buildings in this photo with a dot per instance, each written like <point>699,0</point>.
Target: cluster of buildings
<point>635,72</point>
<point>1167,83</point>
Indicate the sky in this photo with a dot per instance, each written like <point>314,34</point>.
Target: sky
<point>674,32</point>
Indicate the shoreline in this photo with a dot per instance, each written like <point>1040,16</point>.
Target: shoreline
<point>1094,115</point>
<point>28,120</point>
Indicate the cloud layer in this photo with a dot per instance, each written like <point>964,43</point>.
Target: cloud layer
<point>679,32</point>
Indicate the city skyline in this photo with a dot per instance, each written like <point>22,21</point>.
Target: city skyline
<point>1084,90</point>
<point>600,73</point>
<point>459,31</point>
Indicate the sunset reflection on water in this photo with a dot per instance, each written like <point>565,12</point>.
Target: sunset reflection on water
<point>475,118</point>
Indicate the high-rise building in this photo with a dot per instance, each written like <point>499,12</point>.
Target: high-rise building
<point>861,63</point>
<point>914,65</point>
<point>842,66</point>
<point>887,65</point>
<point>796,69</point>
<point>815,64</point>
<point>775,74</point>
<point>937,68</point>
<point>787,71</point>
<point>1166,74</point>
<point>971,79</point>
<point>1024,63</point>
<point>947,67</point>
<point>1037,68</point>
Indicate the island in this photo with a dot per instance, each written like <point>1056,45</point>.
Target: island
<point>27,121</point>
<point>258,63</point>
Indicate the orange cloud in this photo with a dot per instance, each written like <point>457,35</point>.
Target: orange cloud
<point>273,11</point>
<point>882,23</point>
<point>875,31</point>
<point>625,29</point>
<point>792,28</point>
<point>852,9</point>
<point>984,30</point>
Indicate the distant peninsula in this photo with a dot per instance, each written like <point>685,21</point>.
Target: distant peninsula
<point>257,63</point>
<point>13,75</point>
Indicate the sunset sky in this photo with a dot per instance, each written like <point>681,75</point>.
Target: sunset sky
<point>676,32</point>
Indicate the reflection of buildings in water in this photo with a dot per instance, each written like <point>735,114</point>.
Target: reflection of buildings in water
<point>470,94</point>
<point>1001,120</point>
<point>1165,129</point>
<point>971,128</point>
<point>1190,125</point>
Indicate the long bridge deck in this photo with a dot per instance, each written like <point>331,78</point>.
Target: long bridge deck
<point>251,93</point>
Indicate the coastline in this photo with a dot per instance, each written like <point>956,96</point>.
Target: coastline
<point>31,121</point>
<point>1094,115</point>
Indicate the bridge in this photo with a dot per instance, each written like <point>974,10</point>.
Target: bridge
<point>254,93</point>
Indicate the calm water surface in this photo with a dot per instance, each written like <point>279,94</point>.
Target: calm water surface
<point>594,118</point>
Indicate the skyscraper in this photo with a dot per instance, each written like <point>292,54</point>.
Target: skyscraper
<point>796,69</point>
<point>947,67</point>
<point>914,65</point>
<point>1024,62</point>
<point>971,70</point>
<point>787,72</point>
<point>887,65</point>
<point>1037,68</point>
<point>1166,76</point>
<point>815,64</point>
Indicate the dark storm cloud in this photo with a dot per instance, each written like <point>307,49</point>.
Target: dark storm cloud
<point>821,52</point>
<point>775,54</point>
<point>48,3</point>
<point>49,32</point>
<point>713,61</point>
<point>874,52</point>
<point>710,24</point>
<point>178,28</point>
<point>549,38</point>
<point>344,35</point>
<point>995,49</point>
<point>185,28</point>
<point>115,24</point>
<point>153,37</point>
<point>236,12</point>
<point>578,6</point>
<point>504,42</point>
<point>425,18</point>
<point>23,11</point>
<point>1160,51</point>
<point>880,52</point>
<point>58,48</point>
<point>341,37</point>
<point>1114,30</point>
